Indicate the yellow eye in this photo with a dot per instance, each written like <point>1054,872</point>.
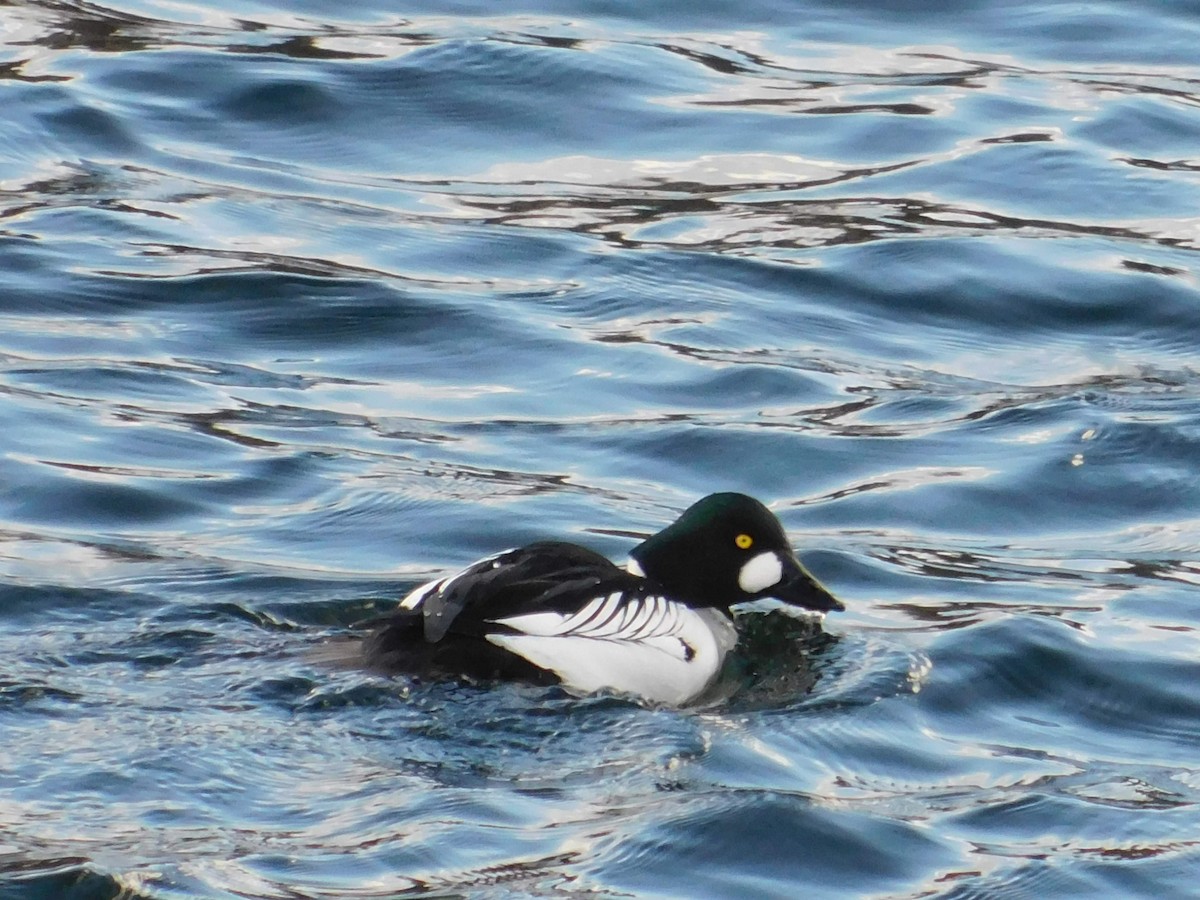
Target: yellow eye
<point>744,541</point>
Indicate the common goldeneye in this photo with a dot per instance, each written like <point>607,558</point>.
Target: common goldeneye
<point>553,612</point>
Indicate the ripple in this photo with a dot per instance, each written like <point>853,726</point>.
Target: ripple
<point>815,849</point>
<point>302,306</point>
<point>1035,672</point>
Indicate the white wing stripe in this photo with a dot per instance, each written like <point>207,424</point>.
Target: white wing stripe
<point>629,614</point>
<point>613,607</point>
<point>614,625</point>
<point>422,592</point>
<point>585,616</point>
<point>650,612</point>
<point>665,668</point>
<point>613,618</point>
<point>418,595</point>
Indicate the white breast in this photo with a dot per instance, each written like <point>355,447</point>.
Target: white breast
<point>656,648</point>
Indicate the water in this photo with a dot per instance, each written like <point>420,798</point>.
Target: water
<point>302,303</point>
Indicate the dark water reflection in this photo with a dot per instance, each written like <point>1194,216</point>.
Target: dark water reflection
<point>301,304</point>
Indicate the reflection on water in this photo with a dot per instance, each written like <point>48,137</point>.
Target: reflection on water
<point>303,305</point>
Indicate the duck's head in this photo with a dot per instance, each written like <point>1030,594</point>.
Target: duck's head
<point>728,549</point>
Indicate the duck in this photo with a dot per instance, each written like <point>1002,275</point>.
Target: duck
<point>554,612</point>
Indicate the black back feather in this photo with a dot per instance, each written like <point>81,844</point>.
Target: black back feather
<point>548,576</point>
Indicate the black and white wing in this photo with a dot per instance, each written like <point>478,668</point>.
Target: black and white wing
<point>527,578</point>
<point>629,616</point>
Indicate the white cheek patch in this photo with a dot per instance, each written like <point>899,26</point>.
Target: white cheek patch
<point>760,572</point>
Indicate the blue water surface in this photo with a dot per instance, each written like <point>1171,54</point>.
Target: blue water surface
<point>303,302</point>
